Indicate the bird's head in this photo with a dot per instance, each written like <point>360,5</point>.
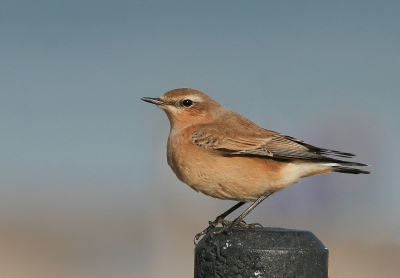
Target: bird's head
<point>185,107</point>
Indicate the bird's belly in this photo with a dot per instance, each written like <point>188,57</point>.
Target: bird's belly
<point>231,177</point>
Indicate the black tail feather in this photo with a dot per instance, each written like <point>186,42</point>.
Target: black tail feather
<point>348,163</point>
<point>346,170</point>
<point>335,153</point>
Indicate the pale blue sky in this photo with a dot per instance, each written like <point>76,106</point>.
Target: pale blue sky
<point>76,135</point>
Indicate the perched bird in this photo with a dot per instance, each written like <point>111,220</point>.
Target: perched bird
<point>220,153</point>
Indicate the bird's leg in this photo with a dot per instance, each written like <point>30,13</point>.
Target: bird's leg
<point>219,220</point>
<point>239,221</point>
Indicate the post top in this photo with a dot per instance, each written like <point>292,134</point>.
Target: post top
<point>267,238</point>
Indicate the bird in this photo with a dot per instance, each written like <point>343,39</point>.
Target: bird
<point>222,154</point>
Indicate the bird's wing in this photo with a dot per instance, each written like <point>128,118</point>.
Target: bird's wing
<point>262,144</point>
<point>230,144</point>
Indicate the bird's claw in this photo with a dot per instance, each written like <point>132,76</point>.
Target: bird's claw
<point>202,233</point>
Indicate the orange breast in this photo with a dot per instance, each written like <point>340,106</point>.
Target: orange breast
<point>238,178</point>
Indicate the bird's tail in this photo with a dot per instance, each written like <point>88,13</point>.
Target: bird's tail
<point>347,170</point>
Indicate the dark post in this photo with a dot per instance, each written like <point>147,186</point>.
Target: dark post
<point>261,252</point>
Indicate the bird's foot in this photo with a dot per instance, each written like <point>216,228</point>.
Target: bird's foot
<point>211,225</point>
<point>227,226</point>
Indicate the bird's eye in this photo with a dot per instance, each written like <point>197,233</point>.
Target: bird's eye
<point>187,102</point>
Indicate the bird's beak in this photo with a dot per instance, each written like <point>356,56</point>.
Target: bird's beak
<point>153,100</point>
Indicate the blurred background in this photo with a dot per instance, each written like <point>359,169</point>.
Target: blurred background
<point>85,189</point>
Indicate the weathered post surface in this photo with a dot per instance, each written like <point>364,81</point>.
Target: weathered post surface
<point>261,252</point>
